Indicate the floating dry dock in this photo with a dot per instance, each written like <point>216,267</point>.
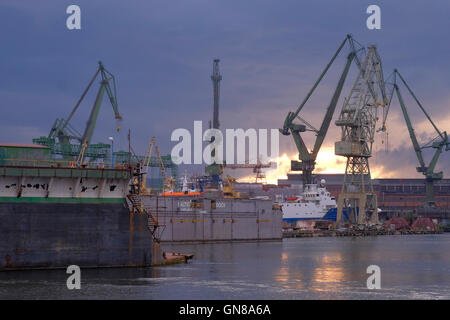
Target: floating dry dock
<point>53,216</point>
<point>198,218</point>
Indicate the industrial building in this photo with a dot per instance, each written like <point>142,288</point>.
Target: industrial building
<point>393,194</point>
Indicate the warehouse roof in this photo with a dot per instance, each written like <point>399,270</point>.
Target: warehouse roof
<point>22,145</point>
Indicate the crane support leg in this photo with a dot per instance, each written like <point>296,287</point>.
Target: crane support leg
<point>366,203</point>
<point>429,189</point>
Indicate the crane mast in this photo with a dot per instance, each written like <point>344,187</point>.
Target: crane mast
<point>216,77</point>
<point>214,170</point>
<point>357,121</point>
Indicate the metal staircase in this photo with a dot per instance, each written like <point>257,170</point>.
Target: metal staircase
<point>136,206</point>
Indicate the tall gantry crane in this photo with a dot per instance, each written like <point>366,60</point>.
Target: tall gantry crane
<point>439,143</point>
<point>308,158</point>
<point>357,120</point>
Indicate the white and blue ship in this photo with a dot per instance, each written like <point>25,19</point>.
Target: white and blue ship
<point>315,203</point>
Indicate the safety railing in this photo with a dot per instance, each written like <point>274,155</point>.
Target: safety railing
<point>59,164</point>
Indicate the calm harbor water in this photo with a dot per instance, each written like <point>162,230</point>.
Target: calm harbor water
<point>412,267</point>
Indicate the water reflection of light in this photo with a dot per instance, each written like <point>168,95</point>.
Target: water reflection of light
<point>328,273</point>
<point>282,275</point>
<point>288,278</point>
<point>332,258</point>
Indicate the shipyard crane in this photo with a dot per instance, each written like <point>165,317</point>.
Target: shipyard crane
<point>256,168</point>
<point>146,166</point>
<point>161,167</point>
<point>308,158</point>
<point>357,121</point>
<point>214,170</point>
<point>65,133</point>
<point>440,143</point>
<point>62,133</point>
<point>106,77</point>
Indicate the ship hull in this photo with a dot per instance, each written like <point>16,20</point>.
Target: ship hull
<point>329,216</point>
<point>56,233</point>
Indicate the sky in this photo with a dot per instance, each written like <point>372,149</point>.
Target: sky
<point>271,53</point>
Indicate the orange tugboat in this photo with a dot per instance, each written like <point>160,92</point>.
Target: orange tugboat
<point>176,257</point>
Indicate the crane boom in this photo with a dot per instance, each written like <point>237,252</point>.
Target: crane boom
<point>104,86</point>
<point>80,100</point>
<point>412,135</point>
<point>419,104</point>
<point>331,108</point>
<point>146,165</point>
<point>308,158</point>
<point>291,116</point>
<point>106,77</point>
<point>438,145</point>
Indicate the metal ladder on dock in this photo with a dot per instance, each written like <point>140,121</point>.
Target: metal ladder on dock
<point>137,206</point>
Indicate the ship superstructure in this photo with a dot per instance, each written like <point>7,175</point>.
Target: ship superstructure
<point>314,203</point>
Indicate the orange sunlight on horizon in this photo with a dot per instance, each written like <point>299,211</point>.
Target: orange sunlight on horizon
<point>327,162</point>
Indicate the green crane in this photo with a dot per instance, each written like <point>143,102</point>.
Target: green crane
<point>106,77</point>
<point>439,143</point>
<point>308,158</point>
<point>66,134</point>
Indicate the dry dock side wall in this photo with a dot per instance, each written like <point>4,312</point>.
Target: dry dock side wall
<point>51,234</point>
<point>198,219</point>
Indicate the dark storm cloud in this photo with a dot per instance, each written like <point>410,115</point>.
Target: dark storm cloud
<point>161,52</point>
